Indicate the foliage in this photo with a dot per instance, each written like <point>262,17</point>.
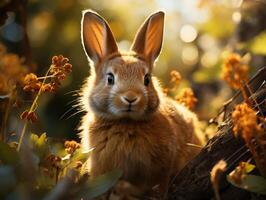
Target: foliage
<point>48,166</point>
<point>52,167</point>
<point>250,125</point>
<point>240,178</point>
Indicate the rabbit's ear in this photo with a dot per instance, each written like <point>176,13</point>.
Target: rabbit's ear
<point>148,40</point>
<point>97,38</point>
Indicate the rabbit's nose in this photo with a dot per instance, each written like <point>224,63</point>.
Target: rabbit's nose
<point>130,99</point>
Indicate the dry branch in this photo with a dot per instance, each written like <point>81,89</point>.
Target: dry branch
<point>193,182</point>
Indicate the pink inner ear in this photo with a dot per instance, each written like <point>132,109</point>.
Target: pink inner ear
<point>148,40</point>
<point>97,38</point>
<point>154,37</point>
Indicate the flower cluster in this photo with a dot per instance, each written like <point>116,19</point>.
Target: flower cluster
<point>57,72</point>
<point>187,98</point>
<point>247,124</point>
<point>71,146</point>
<point>174,82</point>
<point>175,77</point>
<point>60,67</point>
<point>235,71</point>
<point>31,83</point>
<point>245,121</point>
<point>12,70</point>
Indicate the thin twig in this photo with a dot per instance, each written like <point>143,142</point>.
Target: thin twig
<point>32,108</point>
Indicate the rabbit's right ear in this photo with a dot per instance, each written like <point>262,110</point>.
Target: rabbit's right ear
<point>97,38</point>
<point>148,40</point>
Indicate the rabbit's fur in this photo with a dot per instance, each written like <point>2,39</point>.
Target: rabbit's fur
<point>129,122</point>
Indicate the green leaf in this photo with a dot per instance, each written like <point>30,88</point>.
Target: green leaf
<point>8,155</point>
<point>101,184</point>
<point>252,183</point>
<point>81,155</point>
<point>249,167</point>
<point>39,144</point>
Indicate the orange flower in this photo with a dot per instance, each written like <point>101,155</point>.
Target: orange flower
<point>71,146</point>
<point>31,83</point>
<point>247,124</point>
<point>12,70</point>
<point>234,71</point>
<point>245,121</point>
<point>175,77</point>
<point>58,71</point>
<point>187,98</point>
<point>60,67</point>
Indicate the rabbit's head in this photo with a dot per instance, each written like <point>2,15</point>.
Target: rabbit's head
<point>121,85</point>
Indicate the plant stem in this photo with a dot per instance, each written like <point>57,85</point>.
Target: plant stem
<point>216,193</point>
<point>32,108</point>
<point>45,77</point>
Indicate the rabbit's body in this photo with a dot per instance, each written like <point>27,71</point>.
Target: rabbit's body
<point>148,151</point>
<point>130,123</point>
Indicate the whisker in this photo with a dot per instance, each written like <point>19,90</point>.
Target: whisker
<point>68,111</point>
<point>72,92</point>
<point>80,111</point>
<point>194,145</point>
<point>71,108</point>
<point>73,101</point>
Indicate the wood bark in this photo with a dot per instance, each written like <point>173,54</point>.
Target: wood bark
<point>193,182</point>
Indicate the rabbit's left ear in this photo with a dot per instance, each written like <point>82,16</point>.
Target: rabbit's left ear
<point>149,38</point>
<point>97,37</point>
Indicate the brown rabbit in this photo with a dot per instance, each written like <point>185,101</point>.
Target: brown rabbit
<point>129,122</point>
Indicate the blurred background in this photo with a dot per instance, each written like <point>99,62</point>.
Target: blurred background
<point>198,34</point>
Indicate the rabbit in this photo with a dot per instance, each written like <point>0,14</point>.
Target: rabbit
<point>129,122</point>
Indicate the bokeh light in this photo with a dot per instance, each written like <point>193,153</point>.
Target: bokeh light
<point>188,33</point>
<point>190,55</point>
<point>236,16</point>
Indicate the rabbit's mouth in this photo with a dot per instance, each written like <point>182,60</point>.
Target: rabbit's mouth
<point>131,112</point>
<point>129,109</point>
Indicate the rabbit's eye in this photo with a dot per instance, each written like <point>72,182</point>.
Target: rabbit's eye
<point>146,79</point>
<point>110,79</point>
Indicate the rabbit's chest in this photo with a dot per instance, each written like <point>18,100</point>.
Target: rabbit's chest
<point>140,155</point>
